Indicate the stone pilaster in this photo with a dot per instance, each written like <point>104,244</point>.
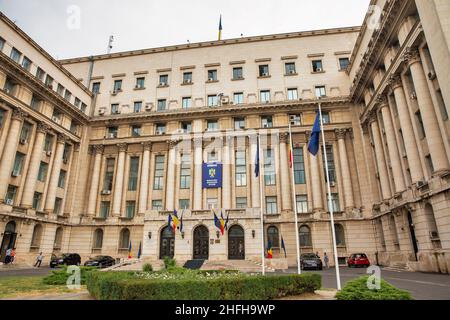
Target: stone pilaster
<point>345,170</point>
<point>118,185</point>
<point>198,160</point>
<point>95,179</point>
<point>54,176</point>
<point>143,190</point>
<point>226,182</point>
<point>256,201</point>
<point>316,182</point>
<point>170,185</point>
<point>286,203</point>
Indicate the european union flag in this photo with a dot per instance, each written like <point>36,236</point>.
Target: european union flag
<point>313,146</point>
<point>283,246</point>
<point>257,159</point>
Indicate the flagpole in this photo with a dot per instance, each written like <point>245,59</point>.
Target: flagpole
<point>261,189</point>
<point>297,240</point>
<point>330,204</point>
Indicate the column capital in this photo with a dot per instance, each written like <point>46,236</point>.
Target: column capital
<point>76,147</point>
<point>42,127</point>
<point>381,100</point>
<point>97,148</point>
<point>283,137</point>
<point>227,140</point>
<point>395,81</point>
<point>18,114</point>
<point>147,145</point>
<point>372,117</point>
<point>340,133</point>
<point>61,138</point>
<point>122,147</point>
<point>198,142</point>
<point>172,143</point>
<point>411,56</point>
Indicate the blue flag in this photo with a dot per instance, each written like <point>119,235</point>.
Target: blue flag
<point>257,159</point>
<point>140,250</point>
<point>226,221</point>
<point>313,146</point>
<point>181,221</point>
<point>282,246</point>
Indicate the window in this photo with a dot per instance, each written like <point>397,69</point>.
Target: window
<point>62,179</point>
<point>157,205</point>
<point>340,235</point>
<point>96,88</point>
<point>60,89</point>
<point>98,239</point>
<point>420,126</point>
<point>49,83</point>
<point>109,174</point>
<point>26,63</point>
<point>239,123</point>
<point>212,156</point>
<point>264,96</point>
<point>271,205</point>
<point>83,107</point>
<point>186,102</point>
<point>213,101</point>
<point>164,80</point>
<point>325,118</point>
<point>264,70</point>
<point>299,166</point>
<point>302,203</point>
<point>133,175</point>
<point>15,55</point>
<point>77,102</point>
<point>295,119</point>
<point>57,116</point>
<point>343,63</point>
<point>18,164</point>
<point>137,106</point>
<point>124,239</point>
<point>429,163</point>
<point>66,152</point>
<point>183,204</point>
<point>58,206</point>
<point>9,85</point>
<point>104,209</point>
<point>238,98</point>
<point>112,132</point>
<point>212,125</point>
<point>25,133</point>
<point>114,108</point>
<point>241,169</point>
<point>2,43</point>
<point>2,117</point>
<point>334,202</point>
<point>266,122</point>
<point>48,143</point>
<point>159,173</point>
<point>140,83</point>
<point>317,66</point>
<point>211,203</point>
<point>241,202</point>
<point>43,169</point>
<point>185,171</point>
<point>331,168</point>
<point>292,94</point>
<point>130,209</point>
<point>10,194</point>
<point>187,77</point>
<point>186,127</point>
<point>273,236</point>
<point>160,128</point>
<point>212,75</point>
<point>290,68</point>
<point>269,168</point>
<point>320,91</point>
<point>304,233</point>
<point>67,95</point>
<point>441,103</point>
<point>238,73</point>
<point>36,236</point>
<point>117,85</point>
<point>37,199</point>
<point>135,131</point>
<point>40,74</point>
<point>161,105</point>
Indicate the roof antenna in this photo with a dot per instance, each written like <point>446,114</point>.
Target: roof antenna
<point>111,39</point>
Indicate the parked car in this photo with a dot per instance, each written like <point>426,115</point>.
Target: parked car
<point>67,259</point>
<point>310,261</point>
<point>358,260</point>
<point>100,262</point>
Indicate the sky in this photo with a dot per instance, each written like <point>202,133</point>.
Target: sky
<point>74,28</point>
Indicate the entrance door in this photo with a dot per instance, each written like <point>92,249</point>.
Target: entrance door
<point>167,243</point>
<point>412,232</point>
<point>9,239</point>
<point>236,243</point>
<point>201,243</point>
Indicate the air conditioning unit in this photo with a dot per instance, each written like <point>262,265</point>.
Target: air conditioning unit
<point>106,192</point>
<point>413,95</point>
<point>420,184</point>
<point>265,74</point>
<point>117,112</point>
<point>432,75</point>
<point>266,125</point>
<point>163,84</point>
<point>114,92</point>
<point>148,107</point>
<point>48,153</point>
<point>65,160</point>
<point>225,100</point>
<point>211,79</point>
<point>14,174</point>
<point>291,71</point>
<point>23,141</point>
<point>101,111</point>
<point>56,119</point>
<point>319,70</point>
<point>111,135</point>
<point>434,235</point>
<point>160,133</point>
<point>187,81</point>
<point>332,184</point>
<point>7,90</point>
<point>9,202</point>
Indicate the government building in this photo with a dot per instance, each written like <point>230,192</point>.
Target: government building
<point>96,152</point>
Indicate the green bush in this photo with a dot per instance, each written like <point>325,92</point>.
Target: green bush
<point>169,263</point>
<point>357,290</point>
<point>194,285</point>
<point>60,276</point>
<point>147,267</point>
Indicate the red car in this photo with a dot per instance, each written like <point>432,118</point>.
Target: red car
<point>358,260</point>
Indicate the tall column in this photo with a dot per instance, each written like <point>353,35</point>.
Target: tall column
<point>170,186</point>
<point>35,162</point>
<point>379,155</point>
<point>226,183</point>
<point>73,180</point>
<point>407,129</point>
<point>345,170</point>
<point>9,151</point>
<point>198,160</point>
<point>284,168</point>
<point>143,189</point>
<point>429,118</point>
<point>118,185</point>
<point>54,177</point>
<point>256,202</point>
<point>316,182</point>
<point>394,155</point>
<point>95,179</point>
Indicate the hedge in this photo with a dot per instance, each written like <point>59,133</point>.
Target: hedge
<point>357,290</point>
<point>60,275</point>
<point>222,286</point>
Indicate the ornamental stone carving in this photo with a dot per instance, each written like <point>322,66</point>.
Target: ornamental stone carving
<point>18,114</point>
<point>61,138</point>
<point>411,56</point>
<point>284,137</point>
<point>198,142</point>
<point>381,100</point>
<point>147,145</point>
<point>122,147</point>
<point>172,143</point>
<point>42,127</point>
<point>395,81</point>
<point>340,133</point>
<point>97,149</point>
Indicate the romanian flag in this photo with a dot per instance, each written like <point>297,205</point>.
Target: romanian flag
<point>269,250</point>
<point>140,250</point>
<point>220,28</point>
<point>218,223</point>
<point>175,220</point>
<point>222,223</point>
<point>291,155</point>
<point>129,251</point>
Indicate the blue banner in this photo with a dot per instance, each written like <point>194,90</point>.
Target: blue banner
<point>212,175</point>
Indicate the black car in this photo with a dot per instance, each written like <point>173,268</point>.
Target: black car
<point>68,259</point>
<point>100,262</point>
<point>310,261</point>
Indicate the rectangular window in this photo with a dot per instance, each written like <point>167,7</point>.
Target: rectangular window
<point>130,209</point>
<point>420,126</point>
<point>104,209</point>
<point>48,143</point>
<point>441,103</point>
<point>74,127</point>
<point>320,91</point>
<point>212,156</point>
<point>161,105</point>
<point>57,116</point>
<point>18,164</point>
<point>11,195</point>
<point>429,163</point>
<point>15,55</point>
<point>2,43</point>
<point>295,119</point>
<point>83,107</point>
<point>212,75</point>
<point>114,108</point>
<point>160,128</point>
<point>117,85</point>
<point>112,132</point>
<point>299,166</point>
<point>66,152</point>
<point>238,98</point>
<point>96,88</point>
<point>158,181</point>
<point>326,118</point>
<point>271,205</point>
<point>317,66</point>
<point>49,83</point>
<point>302,203</point>
<point>213,101</point>
<point>187,77</point>
<point>37,199</point>
<point>67,95</point>
<point>58,206</point>
<point>211,203</point>
<point>40,74</point>
<point>35,102</point>
<point>140,83</point>
<point>264,70</point>
<point>60,89</point>
<point>137,106</point>
<point>212,125</point>
<point>9,85</point>
<point>186,127</point>
<point>77,102</point>
<point>157,205</point>
<point>26,63</point>
<point>62,179</point>
<point>239,123</point>
<point>238,73</point>
<point>266,122</point>
<point>264,96</point>
<point>2,117</point>
<point>133,175</point>
<point>43,168</point>
<point>292,94</point>
<point>241,168</point>
<point>343,63</point>
<point>241,202</point>
<point>109,174</point>
<point>186,102</point>
<point>334,202</point>
<point>164,80</point>
<point>25,133</point>
<point>290,68</point>
<point>269,168</point>
<point>331,168</point>
<point>185,171</point>
<point>135,131</point>
<point>183,204</point>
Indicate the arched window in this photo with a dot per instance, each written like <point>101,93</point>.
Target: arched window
<point>273,236</point>
<point>98,239</point>
<point>10,227</point>
<point>431,221</point>
<point>340,235</point>
<point>58,238</point>
<point>124,239</point>
<point>393,228</point>
<point>304,233</point>
<point>36,237</point>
